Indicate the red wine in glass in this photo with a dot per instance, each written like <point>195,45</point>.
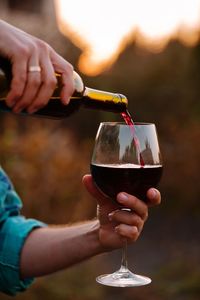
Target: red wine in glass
<point>131,178</point>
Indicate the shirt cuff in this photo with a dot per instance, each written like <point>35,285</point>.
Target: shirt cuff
<point>13,234</point>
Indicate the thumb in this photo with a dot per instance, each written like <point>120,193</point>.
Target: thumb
<point>93,190</point>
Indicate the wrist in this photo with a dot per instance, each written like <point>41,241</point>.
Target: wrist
<point>92,237</point>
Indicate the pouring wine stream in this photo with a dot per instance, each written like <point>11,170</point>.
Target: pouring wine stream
<point>129,121</point>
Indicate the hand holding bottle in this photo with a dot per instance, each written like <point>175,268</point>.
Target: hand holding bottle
<point>34,64</point>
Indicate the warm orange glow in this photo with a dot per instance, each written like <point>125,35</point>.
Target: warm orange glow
<point>102,28</point>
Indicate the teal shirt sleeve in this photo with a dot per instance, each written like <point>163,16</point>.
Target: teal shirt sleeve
<point>14,229</point>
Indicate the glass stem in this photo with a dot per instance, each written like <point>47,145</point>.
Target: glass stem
<point>124,262</point>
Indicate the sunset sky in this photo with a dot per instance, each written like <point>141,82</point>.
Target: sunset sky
<point>102,28</point>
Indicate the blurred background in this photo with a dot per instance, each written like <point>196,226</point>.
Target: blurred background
<point>149,51</point>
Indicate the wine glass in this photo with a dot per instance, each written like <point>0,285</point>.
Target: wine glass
<point>126,158</point>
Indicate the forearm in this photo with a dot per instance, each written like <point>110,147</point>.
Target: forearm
<point>50,249</point>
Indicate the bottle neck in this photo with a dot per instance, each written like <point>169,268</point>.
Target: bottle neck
<point>104,100</point>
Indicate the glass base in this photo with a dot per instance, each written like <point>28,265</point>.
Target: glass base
<point>123,279</point>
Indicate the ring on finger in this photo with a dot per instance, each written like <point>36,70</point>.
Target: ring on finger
<point>34,69</point>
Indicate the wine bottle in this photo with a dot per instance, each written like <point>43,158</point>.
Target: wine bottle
<point>83,96</point>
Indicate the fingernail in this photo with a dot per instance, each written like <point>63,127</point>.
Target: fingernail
<point>153,193</point>
<point>122,197</point>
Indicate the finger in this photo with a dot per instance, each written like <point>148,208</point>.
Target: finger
<point>93,190</point>
<point>126,231</point>
<point>19,79</point>
<point>32,85</point>
<point>128,218</point>
<point>31,89</point>
<point>153,197</point>
<point>64,68</point>
<point>47,87</point>
<point>134,204</point>
<point>67,87</point>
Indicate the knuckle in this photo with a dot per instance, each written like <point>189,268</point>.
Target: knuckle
<point>28,49</point>
<point>68,69</point>
<point>43,46</point>
<point>32,48</point>
<point>24,50</point>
